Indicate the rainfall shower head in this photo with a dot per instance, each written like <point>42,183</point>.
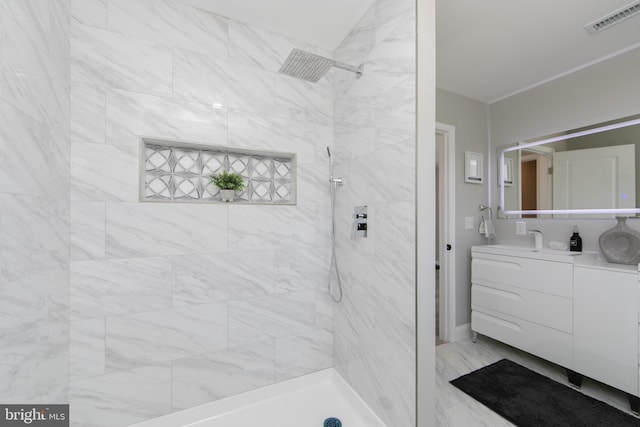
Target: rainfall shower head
<point>311,67</point>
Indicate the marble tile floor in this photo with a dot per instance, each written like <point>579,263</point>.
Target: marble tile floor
<point>456,409</point>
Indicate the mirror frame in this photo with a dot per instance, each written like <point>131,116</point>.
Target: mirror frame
<point>523,145</point>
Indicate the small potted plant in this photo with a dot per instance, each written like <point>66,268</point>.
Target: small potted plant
<point>229,183</point>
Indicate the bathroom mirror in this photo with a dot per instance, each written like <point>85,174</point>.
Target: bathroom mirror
<point>589,172</point>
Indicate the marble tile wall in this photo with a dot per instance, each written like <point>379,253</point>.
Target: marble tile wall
<point>34,201</point>
<point>374,144</point>
<point>174,305</point>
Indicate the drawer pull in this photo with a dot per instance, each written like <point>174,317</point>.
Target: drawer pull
<point>498,292</point>
<point>500,322</point>
<point>499,264</point>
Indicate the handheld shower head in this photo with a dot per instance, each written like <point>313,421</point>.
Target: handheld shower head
<point>334,183</point>
<point>332,180</point>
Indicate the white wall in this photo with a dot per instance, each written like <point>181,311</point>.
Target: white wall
<point>34,201</point>
<point>470,120</point>
<point>425,213</point>
<point>174,305</point>
<point>374,131</point>
<point>602,92</point>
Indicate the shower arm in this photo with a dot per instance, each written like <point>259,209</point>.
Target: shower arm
<point>358,70</point>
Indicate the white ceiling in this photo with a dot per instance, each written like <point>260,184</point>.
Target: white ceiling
<point>324,23</point>
<point>486,50</point>
<point>490,49</point>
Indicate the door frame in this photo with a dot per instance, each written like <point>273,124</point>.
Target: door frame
<point>544,157</point>
<point>447,231</point>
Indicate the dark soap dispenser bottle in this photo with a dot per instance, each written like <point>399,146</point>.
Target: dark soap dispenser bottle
<point>575,243</point>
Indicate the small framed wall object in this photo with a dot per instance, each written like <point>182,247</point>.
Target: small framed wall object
<point>507,172</point>
<point>473,172</point>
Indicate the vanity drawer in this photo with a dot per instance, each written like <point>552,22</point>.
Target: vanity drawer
<point>544,309</point>
<point>541,341</point>
<point>555,278</point>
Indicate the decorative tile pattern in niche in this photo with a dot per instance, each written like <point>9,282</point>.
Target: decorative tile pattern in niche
<point>178,171</point>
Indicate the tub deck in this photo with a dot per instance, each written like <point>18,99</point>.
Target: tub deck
<point>300,402</point>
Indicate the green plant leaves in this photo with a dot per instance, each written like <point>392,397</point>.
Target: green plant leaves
<point>227,181</point>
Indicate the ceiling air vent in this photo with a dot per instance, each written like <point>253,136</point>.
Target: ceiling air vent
<point>613,18</point>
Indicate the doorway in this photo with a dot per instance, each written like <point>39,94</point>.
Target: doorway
<point>445,234</point>
<point>529,172</point>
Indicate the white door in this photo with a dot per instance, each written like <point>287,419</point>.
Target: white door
<point>602,178</point>
<point>445,139</point>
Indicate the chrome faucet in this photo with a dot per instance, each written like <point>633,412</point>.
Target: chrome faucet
<point>537,235</point>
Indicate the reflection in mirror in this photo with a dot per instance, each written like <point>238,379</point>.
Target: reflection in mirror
<point>590,172</point>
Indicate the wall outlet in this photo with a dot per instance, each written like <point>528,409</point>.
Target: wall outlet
<point>468,223</point>
<point>521,228</point>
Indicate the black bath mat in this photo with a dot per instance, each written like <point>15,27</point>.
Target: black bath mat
<point>529,399</point>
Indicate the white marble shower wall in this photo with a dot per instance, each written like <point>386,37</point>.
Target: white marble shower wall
<point>174,305</point>
<point>34,201</point>
<point>374,141</point>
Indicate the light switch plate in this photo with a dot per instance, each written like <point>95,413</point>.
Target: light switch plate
<point>521,228</point>
<point>468,223</point>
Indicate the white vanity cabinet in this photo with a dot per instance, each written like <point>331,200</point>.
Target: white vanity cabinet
<point>524,301</point>
<point>568,308</point>
<point>605,336</point>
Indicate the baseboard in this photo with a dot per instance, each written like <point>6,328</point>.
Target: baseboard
<point>463,332</point>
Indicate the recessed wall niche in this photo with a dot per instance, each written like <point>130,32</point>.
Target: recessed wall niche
<point>178,171</point>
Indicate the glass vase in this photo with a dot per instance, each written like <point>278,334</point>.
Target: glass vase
<point>621,244</point>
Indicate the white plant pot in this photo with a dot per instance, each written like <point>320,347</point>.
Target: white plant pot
<point>227,195</point>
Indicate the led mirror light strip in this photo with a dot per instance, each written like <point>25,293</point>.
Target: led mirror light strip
<point>523,145</point>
